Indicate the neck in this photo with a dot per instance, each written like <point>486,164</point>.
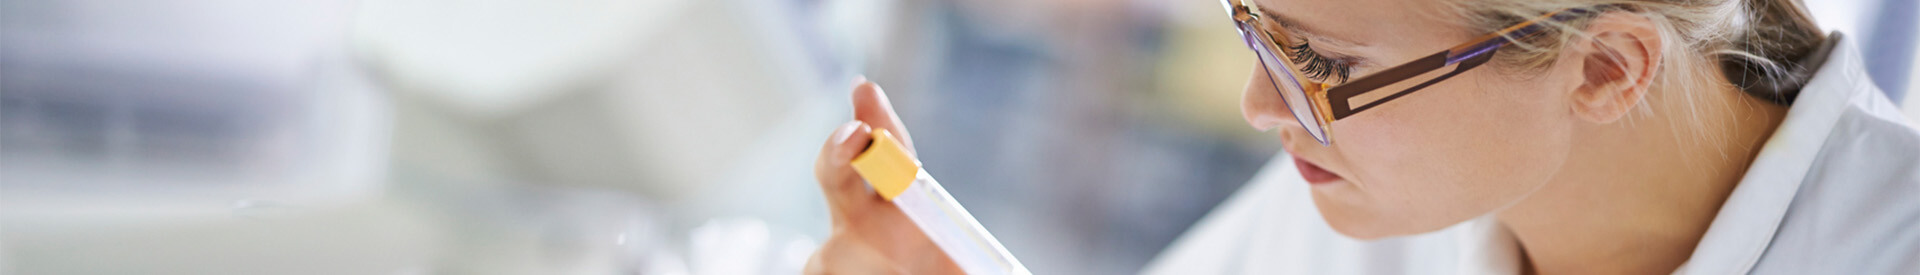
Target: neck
<point>1636,195</point>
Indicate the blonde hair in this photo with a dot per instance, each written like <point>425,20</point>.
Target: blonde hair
<point>1751,39</point>
<point>1757,45</point>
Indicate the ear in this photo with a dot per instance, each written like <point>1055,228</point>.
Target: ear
<point>1618,63</point>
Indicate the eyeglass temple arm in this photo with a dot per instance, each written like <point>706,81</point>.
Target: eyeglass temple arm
<point>1468,55</point>
<point>1338,98</point>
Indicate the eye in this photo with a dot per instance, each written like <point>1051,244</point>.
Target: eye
<point>1318,67</point>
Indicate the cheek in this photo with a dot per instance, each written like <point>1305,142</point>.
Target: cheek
<point>1451,152</point>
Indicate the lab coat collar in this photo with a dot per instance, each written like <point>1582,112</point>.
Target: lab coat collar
<point>1746,224</point>
<point>1487,247</point>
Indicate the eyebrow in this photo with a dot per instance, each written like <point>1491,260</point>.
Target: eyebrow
<point>1304,30</point>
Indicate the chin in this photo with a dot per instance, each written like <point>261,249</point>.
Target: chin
<point>1362,231</point>
<point>1367,225</point>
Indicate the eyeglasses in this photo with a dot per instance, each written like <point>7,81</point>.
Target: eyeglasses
<point>1316,104</point>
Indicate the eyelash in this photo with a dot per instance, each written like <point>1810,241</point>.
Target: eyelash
<point>1318,67</point>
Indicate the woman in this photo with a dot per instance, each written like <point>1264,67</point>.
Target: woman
<point>1543,136</point>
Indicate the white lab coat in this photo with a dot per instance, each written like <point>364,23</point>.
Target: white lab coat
<point>1836,190</point>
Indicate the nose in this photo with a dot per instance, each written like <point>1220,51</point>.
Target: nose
<point>1263,109</point>
<point>1260,104</point>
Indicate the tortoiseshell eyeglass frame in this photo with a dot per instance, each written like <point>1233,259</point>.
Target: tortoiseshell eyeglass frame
<point>1327,102</point>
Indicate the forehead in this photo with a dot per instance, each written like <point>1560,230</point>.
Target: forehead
<point>1370,22</point>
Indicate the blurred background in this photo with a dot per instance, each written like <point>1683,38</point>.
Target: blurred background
<point>616,136</point>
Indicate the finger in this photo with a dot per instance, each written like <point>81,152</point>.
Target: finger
<point>831,169</point>
<point>853,188</point>
<point>843,186</point>
<point>870,104</point>
<point>829,152</point>
<point>854,144</point>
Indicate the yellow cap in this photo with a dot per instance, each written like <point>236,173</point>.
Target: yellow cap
<point>886,165</point>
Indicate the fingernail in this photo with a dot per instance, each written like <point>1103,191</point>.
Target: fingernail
<point>864,129</point>
<point>846,130</point>
<point>857,79</point>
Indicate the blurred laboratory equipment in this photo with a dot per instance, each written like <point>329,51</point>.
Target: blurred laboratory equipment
<point>208,137</point>
<point>192,137</point>
<point>704,114</point>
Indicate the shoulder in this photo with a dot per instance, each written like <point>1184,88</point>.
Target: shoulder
<point>1870,143</point>
<point>1858,209</point>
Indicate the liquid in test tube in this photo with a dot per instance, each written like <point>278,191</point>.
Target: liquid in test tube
<point>899,179</point>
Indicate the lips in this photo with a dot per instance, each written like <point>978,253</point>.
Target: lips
<point>1313,173</point>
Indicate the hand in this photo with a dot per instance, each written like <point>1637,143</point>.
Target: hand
<point>870,234</point>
